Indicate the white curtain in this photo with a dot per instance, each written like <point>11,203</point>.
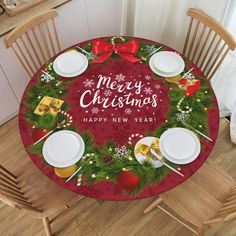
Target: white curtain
<point>224,82</point>
<point>165,21</point>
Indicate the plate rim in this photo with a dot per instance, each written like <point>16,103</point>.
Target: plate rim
<point>180,59</point>
<point>59,63</point>
<point>50,141</point>
<point>69,163</point>
<point>181,161</point>
<point>162,74</point>
<point>78,72</point>
<point>189,133</point>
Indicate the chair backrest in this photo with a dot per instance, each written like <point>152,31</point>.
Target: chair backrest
<point>227,211</point>
<point>35,41</point>
<point>207,42</point>
<point>11,193</point>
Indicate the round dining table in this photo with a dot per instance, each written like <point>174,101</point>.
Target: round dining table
<point>119,106</point>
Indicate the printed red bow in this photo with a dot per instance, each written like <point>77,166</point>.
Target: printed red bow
<point>126,50</point>
<point>190,85</point>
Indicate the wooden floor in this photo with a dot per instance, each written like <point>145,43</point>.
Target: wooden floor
<point>90,218</point>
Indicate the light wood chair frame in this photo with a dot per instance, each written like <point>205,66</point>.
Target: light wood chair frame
<point>207,47</point>
<point>12,194</point>
<point>38,53</point>
<point>226,212</point>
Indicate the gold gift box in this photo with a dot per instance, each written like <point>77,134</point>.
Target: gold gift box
<point>48,105</point>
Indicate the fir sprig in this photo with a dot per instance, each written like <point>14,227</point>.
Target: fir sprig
<point>96,169</point>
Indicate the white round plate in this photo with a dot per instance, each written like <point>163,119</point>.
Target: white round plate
<point>179,145</point>
<point>63,148</point>
<point>70,64</point>
<point>166,64</point>
<point>141,158</point>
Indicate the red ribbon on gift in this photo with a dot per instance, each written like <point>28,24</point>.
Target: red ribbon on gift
<point>126,50</point>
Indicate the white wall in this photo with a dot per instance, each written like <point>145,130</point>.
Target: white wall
<point>8,102</point>
<point>78,20</point>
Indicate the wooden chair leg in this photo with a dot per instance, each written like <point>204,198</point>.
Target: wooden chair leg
<point>47,226</point>
<point>201,231</point>
<point>153,205</point>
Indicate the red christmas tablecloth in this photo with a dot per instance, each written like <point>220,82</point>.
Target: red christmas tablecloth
<point>118,100</point>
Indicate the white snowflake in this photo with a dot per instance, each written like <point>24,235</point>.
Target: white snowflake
<point>147,77</point>
<point>128,111</point>
<point>88,83</point>
<point>120,78</point>
<point>157,86</point>
<point>147,90</point>
<point>182,116</point>
<point>95,110</point>
<point>108,93</point>
<point>122,152</point>
<point>150,48</point>
<point>46,78</point>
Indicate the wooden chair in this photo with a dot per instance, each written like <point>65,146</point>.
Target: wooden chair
<point>35,41</point>
<point>34,193</point>
<point>207,42</point>
<point>208,197</point>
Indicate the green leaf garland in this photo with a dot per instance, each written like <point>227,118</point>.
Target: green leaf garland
<point>95,169</point>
